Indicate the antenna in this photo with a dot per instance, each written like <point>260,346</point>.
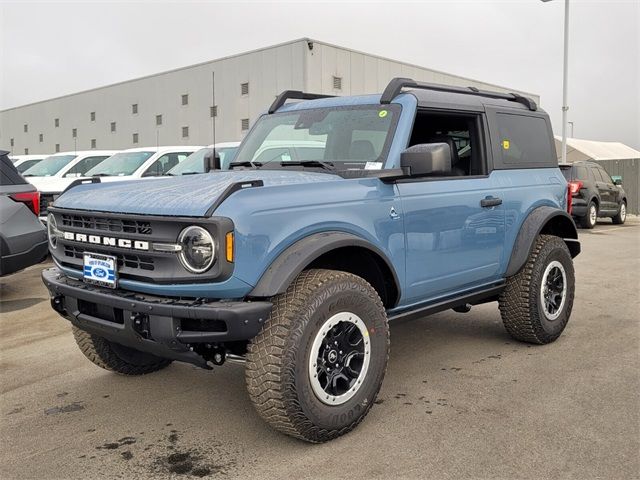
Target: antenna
<point>213,111</point>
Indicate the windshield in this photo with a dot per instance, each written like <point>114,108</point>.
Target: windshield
<point>194,163</point>
<point>347,137</point>
<point>24,166</point>
<point>120,164</point>
<point>49,166</point>
<point>566,171</point>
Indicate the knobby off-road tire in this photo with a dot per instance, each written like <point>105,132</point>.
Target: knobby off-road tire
<point>522,303</point>
<point>591,218</point>
<point>280,362</point>
<point>117,358</point>
<point>621,216</point>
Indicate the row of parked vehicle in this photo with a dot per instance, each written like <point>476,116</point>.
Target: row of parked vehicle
<point>52,175</point>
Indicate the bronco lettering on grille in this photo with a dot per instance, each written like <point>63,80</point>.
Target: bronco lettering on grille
<point>109,241</point>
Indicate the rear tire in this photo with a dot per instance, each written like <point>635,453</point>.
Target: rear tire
<point>621,216</point>
<point>307,376</point>
<point>117,358</point>
<point>591,218</point>
<point>536,304</point>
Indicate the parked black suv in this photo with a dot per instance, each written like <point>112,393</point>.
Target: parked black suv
<point>594,194</point>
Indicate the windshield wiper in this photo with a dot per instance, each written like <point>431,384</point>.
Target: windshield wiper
<point>101,175</point>
<point>309,163</point>
<point>245,164</point>
<point>29,175</point>
<point>189,173</point>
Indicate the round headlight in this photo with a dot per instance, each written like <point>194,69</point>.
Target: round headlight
<point>52,230</point>
<point>198,249</point>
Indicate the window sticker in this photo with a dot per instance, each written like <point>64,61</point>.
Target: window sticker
<point>382,113</point>
<point>506,144</point>
<point>373,166</point>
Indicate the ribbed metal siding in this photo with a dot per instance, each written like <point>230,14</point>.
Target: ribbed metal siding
<point>629,170</point>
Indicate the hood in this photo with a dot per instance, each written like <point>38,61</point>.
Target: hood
<point>187,195</point>
<point>51,184</point>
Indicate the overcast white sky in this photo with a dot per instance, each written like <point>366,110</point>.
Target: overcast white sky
<point>54,48</point>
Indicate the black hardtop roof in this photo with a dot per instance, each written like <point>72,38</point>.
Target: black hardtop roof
<point>431,95</point>
<point>428,93</point>
<point>454,100</point>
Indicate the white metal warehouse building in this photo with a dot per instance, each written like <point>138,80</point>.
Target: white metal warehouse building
<point>176,107</point>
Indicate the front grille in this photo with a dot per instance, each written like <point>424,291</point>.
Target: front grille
<point>128,260</point>
<point>107,224</point>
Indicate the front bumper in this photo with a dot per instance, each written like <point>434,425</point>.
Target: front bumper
<point>165,327</point>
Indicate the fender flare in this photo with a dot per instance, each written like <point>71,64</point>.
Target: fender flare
<point>542,220</point>
<point>288,265</point>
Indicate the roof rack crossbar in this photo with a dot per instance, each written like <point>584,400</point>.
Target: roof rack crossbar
<point>395,86</point>
<point>296,95</point>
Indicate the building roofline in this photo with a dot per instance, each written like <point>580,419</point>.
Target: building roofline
<point>247,52</point>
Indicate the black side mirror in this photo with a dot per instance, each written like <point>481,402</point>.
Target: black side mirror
<point>211,161</point>
<point>426,159</point>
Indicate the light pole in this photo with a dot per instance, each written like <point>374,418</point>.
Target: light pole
<point>565,74</point>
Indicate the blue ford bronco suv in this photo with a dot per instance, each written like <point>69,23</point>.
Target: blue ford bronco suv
<point>421,199</point>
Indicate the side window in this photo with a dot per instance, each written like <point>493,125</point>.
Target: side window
<point>581,173</point>
<point>83,166</point>
<point>461,132</point>
<point>605,176</point>
<point>597,176</point>
<point>165,163</point>
<point>524,141</point>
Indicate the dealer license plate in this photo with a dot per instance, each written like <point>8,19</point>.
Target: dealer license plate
<point>100,269</point>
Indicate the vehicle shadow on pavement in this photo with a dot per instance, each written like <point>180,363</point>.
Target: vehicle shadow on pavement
<point>7,306</point>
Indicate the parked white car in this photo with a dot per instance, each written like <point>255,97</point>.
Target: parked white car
<point>138,163</point>
<point>24,162</point>
<point>56,173</point>
<point>194,163</point>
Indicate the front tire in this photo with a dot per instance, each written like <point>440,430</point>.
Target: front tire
<point>314,370</point>
<point>621,216</point>
<point>591,218</point>
<point>537,301</point>
<point>115,357</point>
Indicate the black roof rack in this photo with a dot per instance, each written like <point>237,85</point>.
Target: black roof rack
<point>296,95</point>
<point>397,84</point>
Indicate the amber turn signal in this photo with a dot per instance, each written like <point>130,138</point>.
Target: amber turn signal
<point>229,238</point>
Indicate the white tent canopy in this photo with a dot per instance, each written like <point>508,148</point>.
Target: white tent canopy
<point>578,149</point>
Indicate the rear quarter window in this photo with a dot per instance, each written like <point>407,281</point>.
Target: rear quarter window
<point>523,141</point>
<point>8,173</point>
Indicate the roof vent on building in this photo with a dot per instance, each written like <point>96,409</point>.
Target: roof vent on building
<point>244,89</point>
<point>337,83</point>
<point>244,124</point>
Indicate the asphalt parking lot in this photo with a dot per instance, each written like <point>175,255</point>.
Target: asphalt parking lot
<point>460,399</point>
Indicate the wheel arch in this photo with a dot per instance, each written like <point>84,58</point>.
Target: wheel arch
<point>542,220</point>
<point>331,250</point>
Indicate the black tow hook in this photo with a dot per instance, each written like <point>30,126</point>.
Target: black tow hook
<point>57,303</point>
<point>140,323</point>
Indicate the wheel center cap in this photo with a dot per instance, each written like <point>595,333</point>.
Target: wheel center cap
<point>332,356</point>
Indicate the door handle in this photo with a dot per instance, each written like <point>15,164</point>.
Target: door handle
<point>490,202</point>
